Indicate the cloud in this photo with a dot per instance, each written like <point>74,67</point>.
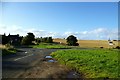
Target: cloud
<point>99,33</point>
<point>12,30</point>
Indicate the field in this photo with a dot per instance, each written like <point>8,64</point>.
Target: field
<point>51,46</point>
<point>99,63</point>
<point>91,43</point>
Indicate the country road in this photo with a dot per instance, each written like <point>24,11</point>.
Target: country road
<point>14,65</point>
<point>29,63</point>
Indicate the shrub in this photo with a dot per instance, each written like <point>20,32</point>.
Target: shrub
<point>114,40</point>
<point>101,47</point>
<point>117,47</point>
<point>76,44</point>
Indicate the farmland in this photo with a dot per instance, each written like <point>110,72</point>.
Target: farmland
<point>92,63</point>
<point>91,43</point>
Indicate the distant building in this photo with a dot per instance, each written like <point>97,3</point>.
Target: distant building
<point>12,39</point>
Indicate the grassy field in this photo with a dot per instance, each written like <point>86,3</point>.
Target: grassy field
<point>100,63</point>
<point>50,46</point>
<point>91,43</point>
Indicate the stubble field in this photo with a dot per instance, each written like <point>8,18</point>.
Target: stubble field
<point>92,43</point>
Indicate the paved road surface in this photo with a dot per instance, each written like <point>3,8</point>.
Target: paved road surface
<point>14,65</point>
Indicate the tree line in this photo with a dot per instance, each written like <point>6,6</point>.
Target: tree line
<point>30,39</point>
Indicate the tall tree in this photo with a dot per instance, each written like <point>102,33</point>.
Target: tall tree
<point>27,40</point>
<point>31,36</point>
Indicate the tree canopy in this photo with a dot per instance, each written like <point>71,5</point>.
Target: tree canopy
<point>27,40</point>
<point>71,40</point>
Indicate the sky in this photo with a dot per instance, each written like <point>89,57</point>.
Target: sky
<point>85,20</point>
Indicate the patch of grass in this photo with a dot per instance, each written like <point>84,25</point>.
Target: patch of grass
<point>51,46</point>
<point>99,63</point>
<point>7,51</point>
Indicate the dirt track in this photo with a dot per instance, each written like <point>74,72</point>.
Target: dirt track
<point>46,70</point>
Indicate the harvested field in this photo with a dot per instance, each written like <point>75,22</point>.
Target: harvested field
<point>92,43</point>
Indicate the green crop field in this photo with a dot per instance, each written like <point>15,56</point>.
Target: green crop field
<point>50,46</point>
<point>99,63</point>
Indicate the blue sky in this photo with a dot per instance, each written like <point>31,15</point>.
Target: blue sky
<point>85,20</point>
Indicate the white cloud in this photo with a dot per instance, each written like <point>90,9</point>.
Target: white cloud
<point>12,30</point>
<point>99,33</point>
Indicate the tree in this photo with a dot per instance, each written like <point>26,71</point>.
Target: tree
<point>27,40</point>
<point>5,39</point>
<point>38,40</point>
<point>31,36</point>
<point>49,40</point>
<point>44,39</point>
<point>71,40</point>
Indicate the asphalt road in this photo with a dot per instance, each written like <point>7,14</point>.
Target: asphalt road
<point>14,65</point>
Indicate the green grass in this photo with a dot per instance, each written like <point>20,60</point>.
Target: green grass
<point>7,52</point>
<point>100,63</point>
<point>50,46</point>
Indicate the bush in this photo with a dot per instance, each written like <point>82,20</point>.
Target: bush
<point>76,44</point>
<point>117,47</point>
<point>114,40</point>
<point>101,47</point>
<point>45,40</point>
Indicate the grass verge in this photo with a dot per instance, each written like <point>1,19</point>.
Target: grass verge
<point>7,52</point>
<point>100,63</point>
<point>51,46</point>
